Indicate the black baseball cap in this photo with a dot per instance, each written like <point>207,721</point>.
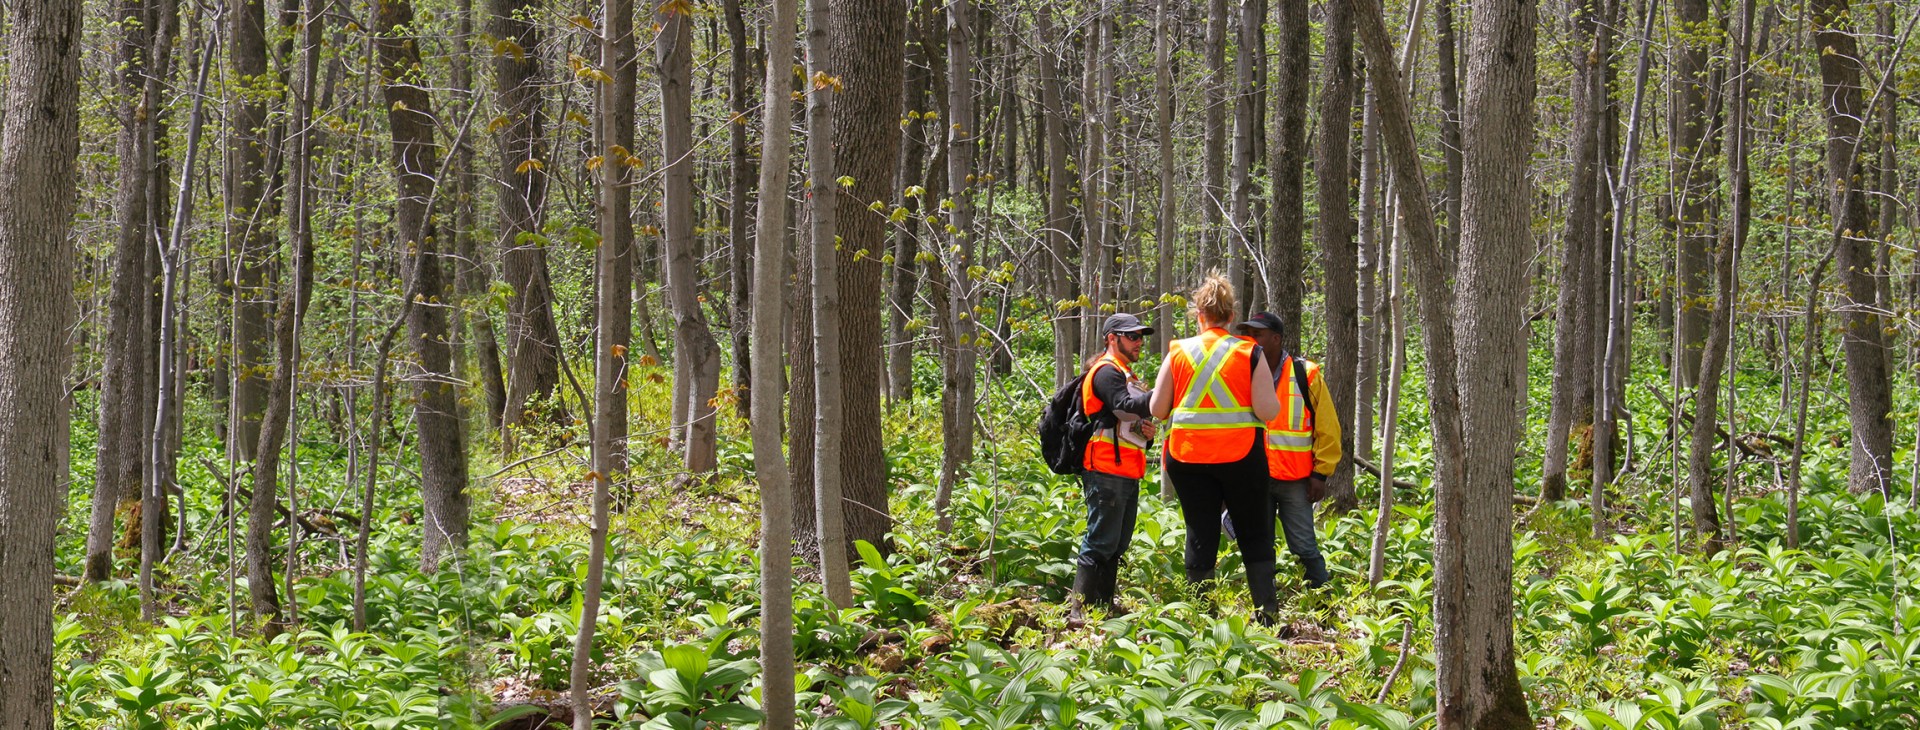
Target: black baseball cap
<point>1124,322</point>
<point>1263,320</point>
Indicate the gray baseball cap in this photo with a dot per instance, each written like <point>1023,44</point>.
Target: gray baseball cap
<point>1124,322</point>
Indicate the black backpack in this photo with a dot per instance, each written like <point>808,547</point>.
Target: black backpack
<point>1065,429</point>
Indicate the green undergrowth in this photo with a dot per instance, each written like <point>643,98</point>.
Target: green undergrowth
<point>966,629</point>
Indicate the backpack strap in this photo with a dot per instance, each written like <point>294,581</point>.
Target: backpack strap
<point>1300,379</point>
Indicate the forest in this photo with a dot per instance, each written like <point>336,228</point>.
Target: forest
<point>599,364</point>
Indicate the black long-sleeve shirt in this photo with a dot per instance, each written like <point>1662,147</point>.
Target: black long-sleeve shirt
<point>1110,386</point>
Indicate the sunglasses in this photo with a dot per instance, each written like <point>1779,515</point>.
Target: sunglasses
<point>1135,336</point>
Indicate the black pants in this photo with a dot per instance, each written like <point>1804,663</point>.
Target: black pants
<point>1240,486</point>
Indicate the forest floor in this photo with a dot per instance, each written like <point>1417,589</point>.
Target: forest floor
<point>967,629</point>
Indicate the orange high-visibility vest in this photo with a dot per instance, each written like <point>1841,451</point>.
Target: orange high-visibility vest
<point>1290,434</point>
<point>1108,452</point>
<point>1212,421</point>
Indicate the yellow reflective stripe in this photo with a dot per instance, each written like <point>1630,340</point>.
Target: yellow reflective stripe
<point>1207,364</point>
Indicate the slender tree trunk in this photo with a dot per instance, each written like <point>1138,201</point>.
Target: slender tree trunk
<point>906,238</point>
<point>613,306</point>
<point>475,279</point>
<point>1213,153</point>
<point>119,463</point>
<point>1373,295</point>
<point>802,396</point>
<point>39,141</point>
<point>696,356</point>
<point>829,395</point>
<point>1869,389</point>
<point>1286,252</point>
<point>442,446</point>
<point>1691,140</point>
<point>1450,148</point>
<point>1167,216</point>
<point>1066,332</point>
<point>533,339</point>
<point>962,337</point>
<point>1335,231</point>
<point>251,205</point>
<point>1095,206</point>
<point>1390,418</point>
<point>1572,399</point>
<point>770,465</point>
<point>741,175</point>
<point>867,35</point>
<point>1249,119</point>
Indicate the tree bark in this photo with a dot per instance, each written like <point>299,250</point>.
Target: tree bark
<point>829,393</point>
<point>1167,215</point>
<point>770,465</point>
<point>1334,233</point>
<point>39,141</point>
<point>442,444</point>
<point>740,180</point>
<point>1213,152</point>
<point>911,173</point>
<point>251,206</point>
<point>1694,186</point>
<point>1572,399</point>
<point>1066,332</point>
<point>957,398</point>
<point>1286,251</point>
<point>127,371</point>
<point>533,339</point>
<point>613,307</point>
<point>1477,684</point>
<point>1249,123</point>
<point>474,277</point>
<point>696,356</point>
<point>868,35</point>
<point>1869,389</point>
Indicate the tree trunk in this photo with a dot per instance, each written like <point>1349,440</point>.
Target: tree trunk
<point>696,356</point>
<point>957,398</point>
<point>1572,399</point>
<point>474,277</point>
<point>770,465</point>
<point>1094,201</point>
<point>1249,123</point>
<point>119,463</point>
<point>740,169</point>
<point>911,173</point>
<point>613,308</point>
<point>1334,233</point>
<point>251,206</point>
<point>1450,150</point>
<point>1286,252</point>
<point>867,35</point>
<point>533,339</point>
<point>1066,332</point>
<point>1693,184</point>
<point>442,446</point>
<point>1167,216</point>
<point>1473,545</point>
<point>1869,390</point>
<point>1213,195</point>
<point>1477,686</point>
<point>39,141</point>
<point>829,393</point>
<point>1373,297</point>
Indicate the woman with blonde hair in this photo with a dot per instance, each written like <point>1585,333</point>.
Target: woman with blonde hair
<point>1214,455</point>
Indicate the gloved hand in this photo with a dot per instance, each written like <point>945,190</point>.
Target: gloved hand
<point>1316,487</point>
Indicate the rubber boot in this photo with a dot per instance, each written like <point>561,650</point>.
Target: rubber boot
<point>1109,587</point>
<point>1260,583</point>
<point>1316,570</point>
<point>1085,580</point>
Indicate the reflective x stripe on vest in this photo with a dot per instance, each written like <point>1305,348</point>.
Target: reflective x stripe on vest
<point>1208,385</point>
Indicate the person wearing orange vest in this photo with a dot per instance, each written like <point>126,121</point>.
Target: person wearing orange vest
<point>1112,396</point>
<point>1303,442</point>
<point>1215,390</point>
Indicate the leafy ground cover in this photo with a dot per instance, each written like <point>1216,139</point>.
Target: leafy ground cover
<point>966,630</point>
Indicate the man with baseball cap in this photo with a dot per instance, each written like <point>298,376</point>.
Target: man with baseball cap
<point>1113,397</point>
<point>1303,442</point>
